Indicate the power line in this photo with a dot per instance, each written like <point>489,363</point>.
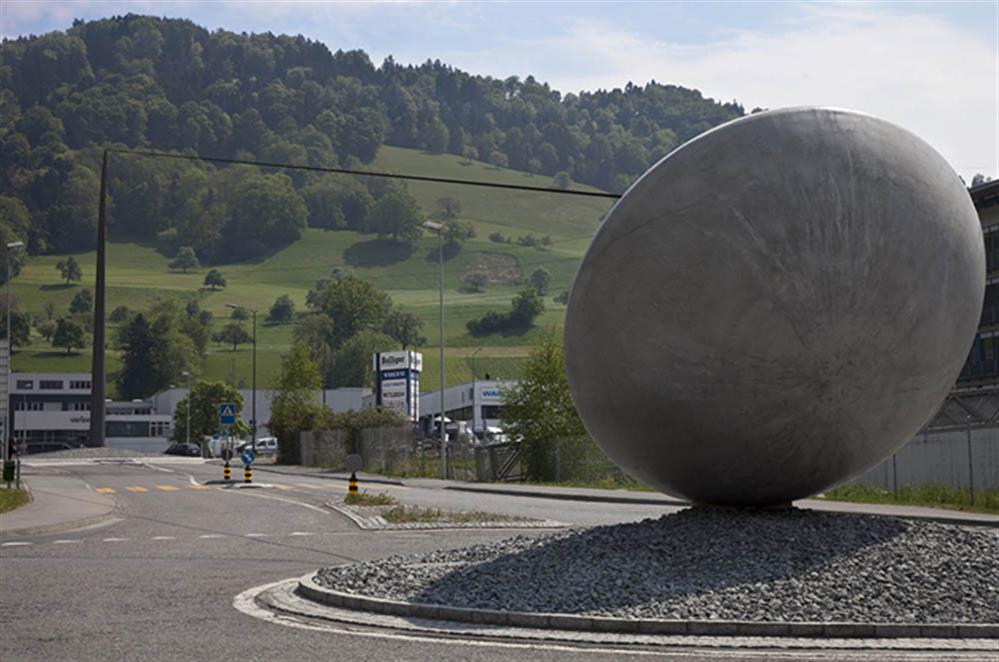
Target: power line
<point>364,173</point>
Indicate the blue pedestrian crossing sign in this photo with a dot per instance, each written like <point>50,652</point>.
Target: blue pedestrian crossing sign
<point>227,413</point>
<point>247,456</point>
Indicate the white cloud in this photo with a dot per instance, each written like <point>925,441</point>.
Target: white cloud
<point>917,71</point>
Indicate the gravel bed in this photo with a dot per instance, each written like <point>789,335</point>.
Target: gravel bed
<point>712,564</point>
<point>87,453</point>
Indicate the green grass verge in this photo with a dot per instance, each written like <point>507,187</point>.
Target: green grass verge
<point>367,499</point>
<point>408,514</point>
<point>11,499</point>
<point>937,496</point>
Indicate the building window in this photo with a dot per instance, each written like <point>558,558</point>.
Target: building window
<point>79,385</point>
<point>50,384</point>
<point>25,384</point>
<point>28,406</point>
<point>492,411</point>
<point>81,406</point>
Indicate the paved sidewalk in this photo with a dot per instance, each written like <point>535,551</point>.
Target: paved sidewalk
<point>58,503</point>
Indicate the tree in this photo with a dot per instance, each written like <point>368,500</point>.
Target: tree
<point>82,303</point>
<point>234,334</point>
<point>46,329</point>
<point>498,159</point>
<point>469,154</point>
<point>477,281</point>
<point>450,207</point>
<point>20,326</point>
<point>404,328</point>
<point>68,334</point>
<point>526,306</point>
<point>456,232</point>
<point>204,400</point>
<point>540,280</point>
<point>353,304</point>
<point>119,314</point>
<point>214,279</point>
<point>283,309</point>
<point>397,215</point>
<point>561,180</point>
<point>315,333</point>
<point>540,409</point>
<point>979,179</point>
<point>186,259</point>
<point>69,270</point>
<point>294,407</point>
<point>352,364</point>
<point>155,351</point>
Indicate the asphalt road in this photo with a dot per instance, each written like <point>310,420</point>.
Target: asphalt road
<point>158,582</point>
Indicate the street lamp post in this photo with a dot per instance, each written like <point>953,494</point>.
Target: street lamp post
<point>439,229</point>
<point>12,246</point>
<point>187,437</point>
<point>253,384</point>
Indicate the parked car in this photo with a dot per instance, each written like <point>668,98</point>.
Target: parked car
<point>184,450</point>
<point>265,446</point>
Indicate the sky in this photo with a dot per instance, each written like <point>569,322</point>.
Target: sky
<point>930,67</point>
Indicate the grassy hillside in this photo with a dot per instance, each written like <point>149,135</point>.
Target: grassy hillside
<point>139,274</point>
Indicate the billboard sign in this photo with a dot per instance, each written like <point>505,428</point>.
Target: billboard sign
<point>397,382</point>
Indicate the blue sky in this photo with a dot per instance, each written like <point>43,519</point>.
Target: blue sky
<point>930,67</point>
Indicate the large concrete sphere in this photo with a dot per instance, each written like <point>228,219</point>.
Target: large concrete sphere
<point>775,307</point>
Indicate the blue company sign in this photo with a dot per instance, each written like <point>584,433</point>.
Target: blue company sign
<point>227,413</point>
<point>395,374</point>
<point>491,393</point>
<point>247,456</point>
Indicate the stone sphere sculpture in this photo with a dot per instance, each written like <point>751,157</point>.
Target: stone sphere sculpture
<point>775,307</point>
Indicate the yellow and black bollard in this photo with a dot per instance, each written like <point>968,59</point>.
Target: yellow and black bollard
<point>352,484</point>
<point>248,474</point>
<point>227,472</point>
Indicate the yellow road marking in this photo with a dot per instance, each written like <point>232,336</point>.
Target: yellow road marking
<point>198,487</point>
<point>166,488</point>
<point>104,490</point>
<point>136,488</point>
<point>311,486</point>
<point>280,486</point>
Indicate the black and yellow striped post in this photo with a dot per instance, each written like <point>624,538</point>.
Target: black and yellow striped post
<point>352,484</point>
<point>227,472</point>
<point>248,474</point>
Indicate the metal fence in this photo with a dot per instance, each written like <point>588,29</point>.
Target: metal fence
<point>965,459</point>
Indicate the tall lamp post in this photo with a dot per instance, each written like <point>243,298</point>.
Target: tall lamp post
<point>439,229</point>
<point>12,246</point>
<point>253,392</point>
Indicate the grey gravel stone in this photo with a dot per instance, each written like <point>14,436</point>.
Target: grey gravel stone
<point>712,564</point>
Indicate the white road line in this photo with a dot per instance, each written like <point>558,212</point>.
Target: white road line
<point>14,544</point>
<point>163,538</point>
<point>300,533</point>
<point>277,498</point>
<point>65,542</point>
<point>117,539</point>
<point>211,535</point>
<point>257,535</point>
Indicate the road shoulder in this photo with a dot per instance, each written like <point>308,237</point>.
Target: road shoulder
<point>59,502</point>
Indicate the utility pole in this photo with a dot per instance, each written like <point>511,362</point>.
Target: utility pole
<point>253,392</point>
<point>12,246</point>
<point>97,370</point>
<point>439,229</point>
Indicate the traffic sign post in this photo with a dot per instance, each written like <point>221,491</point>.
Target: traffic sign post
<point>247,456</point>
<point>354,463</point>
<point>227,414</point>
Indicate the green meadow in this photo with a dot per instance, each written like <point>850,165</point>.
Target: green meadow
<point>138,274</point>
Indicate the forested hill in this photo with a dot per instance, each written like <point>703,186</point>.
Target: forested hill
<point>140,81</point>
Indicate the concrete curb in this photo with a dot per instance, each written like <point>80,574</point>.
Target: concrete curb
<point>567,496</point>
<point>378,523</point>
<point>309,589</point>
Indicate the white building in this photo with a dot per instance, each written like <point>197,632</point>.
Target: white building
<point>479,403</point>
<point>51,411</point>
